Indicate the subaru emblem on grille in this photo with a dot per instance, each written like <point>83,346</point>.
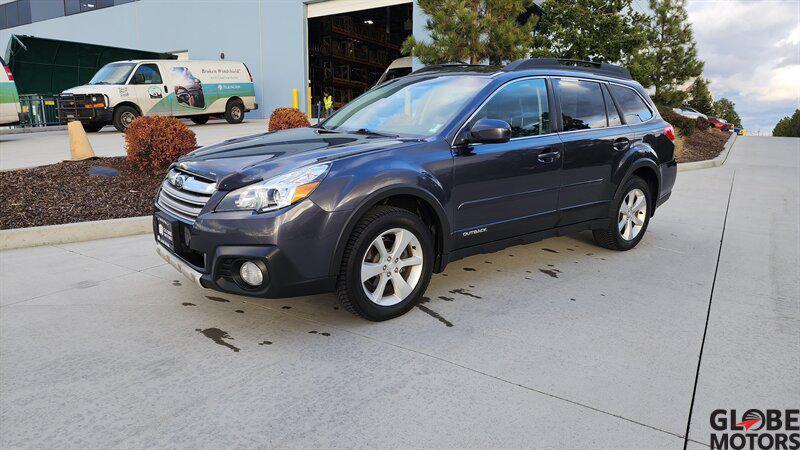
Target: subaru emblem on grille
<point>179,180</point>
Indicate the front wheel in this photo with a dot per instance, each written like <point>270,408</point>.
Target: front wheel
<point>629,217</point>
<point>123,116</point>
<point>200,120</point>
<point>234,112</point>
<point>387,264</point>
<point>92,127</point>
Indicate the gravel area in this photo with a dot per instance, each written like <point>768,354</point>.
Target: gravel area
<point>67,192</point>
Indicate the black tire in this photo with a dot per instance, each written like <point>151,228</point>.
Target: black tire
<point>122,115</point>
<point>92,127</point>
<point>200,120</point>
<point>611,237</point>
<point>234,111</point>
<point>349,286</point>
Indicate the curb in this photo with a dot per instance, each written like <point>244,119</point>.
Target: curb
<point>74,232</point>
<point>716,162</point>
<point>32,129</point>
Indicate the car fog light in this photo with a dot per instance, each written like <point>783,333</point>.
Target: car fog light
<point>251,273</point>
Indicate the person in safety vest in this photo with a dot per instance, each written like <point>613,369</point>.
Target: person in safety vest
<point>327,101</point>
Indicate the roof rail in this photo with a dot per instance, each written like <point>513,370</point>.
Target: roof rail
<point>433,67</point>
<point>569,64</point>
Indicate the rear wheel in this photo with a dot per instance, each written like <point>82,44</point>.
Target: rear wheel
<point>387,264</point>
<point>234,111</point>
<point>200,120</point>
<point>629,217</point>
<point>123,116</point>
<point>92,127</point>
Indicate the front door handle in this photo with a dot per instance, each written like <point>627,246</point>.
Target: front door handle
<point>548,157</point>
<point>622,144</point>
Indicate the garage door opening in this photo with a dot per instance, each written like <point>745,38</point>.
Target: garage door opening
<point>349,52</point>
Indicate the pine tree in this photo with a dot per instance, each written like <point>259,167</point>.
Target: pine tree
<point>595,30</point>
<point>726,109</point>
<point>701,99</point>
<point>472,31</point>
<point>671,56</point>
<point>788,126</point>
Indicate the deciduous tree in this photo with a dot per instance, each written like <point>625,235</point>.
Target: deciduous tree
<point>726,109</point>
<point>473,31</point>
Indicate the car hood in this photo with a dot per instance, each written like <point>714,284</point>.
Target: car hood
<point>242,161</point>
<point>90,89</point>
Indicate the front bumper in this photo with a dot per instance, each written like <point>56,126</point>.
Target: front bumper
<point>85,108</point>
<point>295,246</point>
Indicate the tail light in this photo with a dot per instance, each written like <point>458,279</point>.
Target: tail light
<point>670,132</point>
<point>8,72</point>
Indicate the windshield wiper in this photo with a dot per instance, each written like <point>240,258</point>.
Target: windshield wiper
<point>373,133</point>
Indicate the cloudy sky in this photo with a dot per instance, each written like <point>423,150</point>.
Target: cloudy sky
<point>751,51</point>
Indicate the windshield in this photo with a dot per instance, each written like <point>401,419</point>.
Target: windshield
<point>415,107</point>
<point>112,74</point>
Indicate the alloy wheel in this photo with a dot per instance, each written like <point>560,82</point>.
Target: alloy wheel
<point>391,267</point>
<point>632,214</point>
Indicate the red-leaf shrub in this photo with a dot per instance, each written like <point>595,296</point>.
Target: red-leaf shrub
<point>286,118</point>
<point>153,143</point>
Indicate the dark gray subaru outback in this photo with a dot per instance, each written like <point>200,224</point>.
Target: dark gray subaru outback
<point>420,171</point>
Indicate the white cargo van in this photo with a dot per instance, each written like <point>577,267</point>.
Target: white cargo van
<point>10,111</point>
<point>121,91</point>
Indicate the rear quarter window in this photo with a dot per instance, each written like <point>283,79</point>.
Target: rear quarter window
<point>582,105</point>
<point>633,107</point>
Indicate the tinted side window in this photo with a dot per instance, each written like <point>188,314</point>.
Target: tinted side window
<point>582,105</point>
<point>633,107</point>
<point>150,72</point>
<point>523,104</point>
<point>611,109</point>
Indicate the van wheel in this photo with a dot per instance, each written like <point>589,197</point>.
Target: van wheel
<point>92,127</point>
<point>200,120</point>
<point>123,116</point>
<point>629,217</point>
<point>234,111</point>
<point>387,264</point>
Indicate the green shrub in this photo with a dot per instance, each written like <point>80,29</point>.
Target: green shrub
<point>683,125</point>
<point>702,123</point>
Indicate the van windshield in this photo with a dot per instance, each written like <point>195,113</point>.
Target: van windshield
<point>416,107</point>
<point>116,73</point>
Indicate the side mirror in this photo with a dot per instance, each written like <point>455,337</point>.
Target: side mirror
<point>490,131</point>
<point>138,78</point>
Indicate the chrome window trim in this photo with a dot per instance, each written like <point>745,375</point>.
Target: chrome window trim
<point>486,100</point>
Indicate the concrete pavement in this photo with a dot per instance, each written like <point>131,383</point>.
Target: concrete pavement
<point>49,147</point>
<point>554,344</point>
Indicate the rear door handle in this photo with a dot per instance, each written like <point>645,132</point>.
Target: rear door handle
<point>622,144</point>
<point>548,157</point>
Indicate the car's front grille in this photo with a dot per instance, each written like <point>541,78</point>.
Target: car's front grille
<point>184,194</point>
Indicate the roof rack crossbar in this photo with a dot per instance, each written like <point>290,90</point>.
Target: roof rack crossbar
<point>569,64</point>
<point>433,67</point>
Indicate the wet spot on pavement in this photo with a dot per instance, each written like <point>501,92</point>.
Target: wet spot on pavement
<point>336,308</point>
<point>217,335</point>
<point>433,313</point>
<point>464,292</point>
<point>571,249</point>
<point>469,269</point>
<point>325,334</point>
<point>550,265</point>
<point>572,299</point>
<point>447,299</point>
<point>528,271</point>
<point>286,307</point>
<point>218,299</point>
<point>86,284</point>
<point>589,254</point>
<point>239,311</point>
<point>487,262</point>
<point>188,304</point>
<point>552,273</point>
<point>265,343</point>
<point>176,283</point>
<point>549,250</point>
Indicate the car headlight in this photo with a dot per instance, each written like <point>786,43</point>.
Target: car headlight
<point>277,192</point>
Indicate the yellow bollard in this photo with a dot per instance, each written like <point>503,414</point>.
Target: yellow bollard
<point>295,101</point>
<point>308,102</point>
<point>79,146</point>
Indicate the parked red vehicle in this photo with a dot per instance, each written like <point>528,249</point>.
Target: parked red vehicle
<point>720,124</point>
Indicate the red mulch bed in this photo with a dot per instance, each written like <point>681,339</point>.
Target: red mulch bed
<point>702,145</point>
<point>66,193</point>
